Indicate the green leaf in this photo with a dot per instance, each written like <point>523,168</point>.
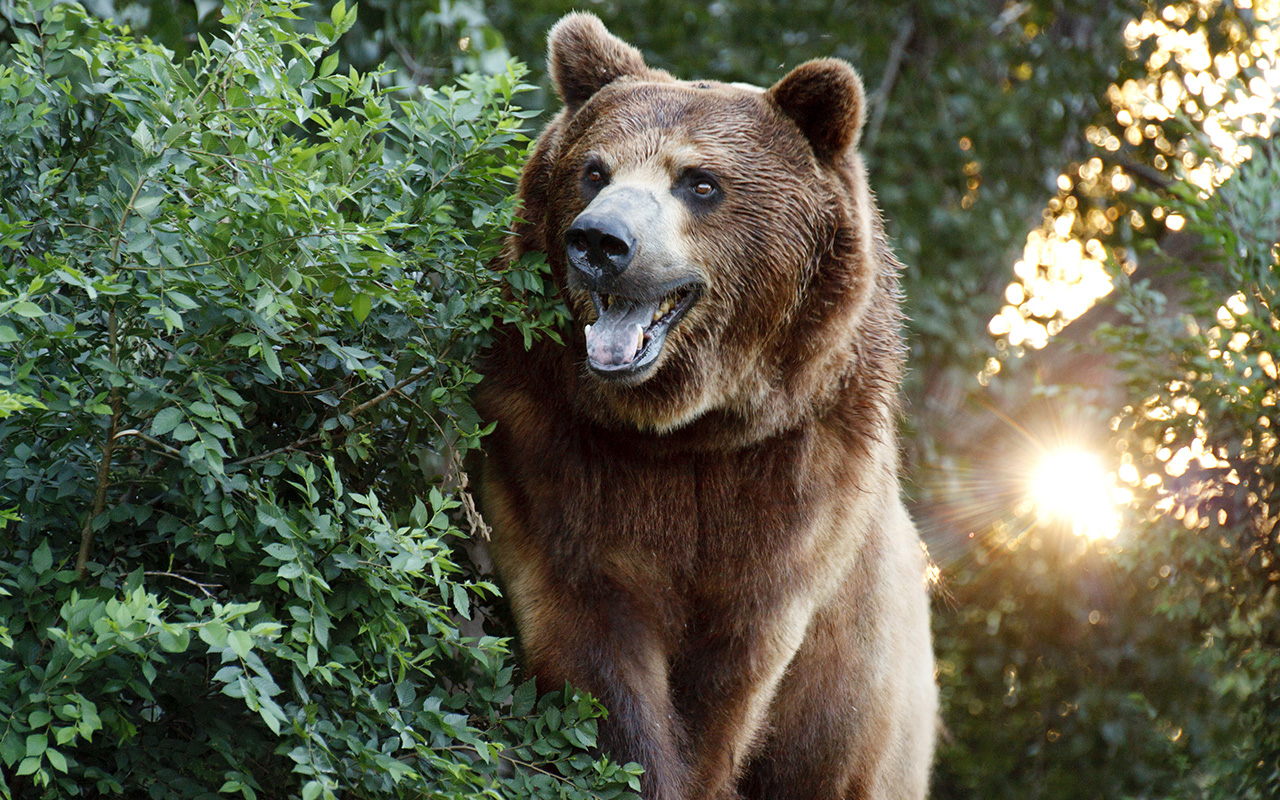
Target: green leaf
<point>145,206</point>
<point>28,309</point>
<point>281,551</point>
<point>361,305</point>
<point>272,362</point>
<point>328,65</point>
<point>165,421</point>
<point>241,643</point>
<point>214,635</point>
<point>42,558</point>
<point>56,760</point>
<point>11,748</point>
<point>175,641</point>
<point>461,601</point>
<point>523,698</point>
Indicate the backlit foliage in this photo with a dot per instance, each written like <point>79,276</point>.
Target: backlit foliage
<point>1212,80</point>
<point>1198,446</point>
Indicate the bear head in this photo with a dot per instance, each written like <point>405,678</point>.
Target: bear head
<point>716,243</point>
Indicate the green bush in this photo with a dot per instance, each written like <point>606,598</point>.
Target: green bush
<point>240,296</point>
<point>1199,434</point>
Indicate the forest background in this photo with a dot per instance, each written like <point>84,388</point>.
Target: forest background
<point>243,280</point>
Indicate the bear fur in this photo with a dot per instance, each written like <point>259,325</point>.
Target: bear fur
<point>695,500</point>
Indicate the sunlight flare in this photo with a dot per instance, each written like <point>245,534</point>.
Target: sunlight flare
<point>1074,487</point>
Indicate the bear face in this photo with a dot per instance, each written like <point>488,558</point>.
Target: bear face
<point>697,229</point>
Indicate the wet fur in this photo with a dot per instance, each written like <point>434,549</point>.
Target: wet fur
<point>719,553</point>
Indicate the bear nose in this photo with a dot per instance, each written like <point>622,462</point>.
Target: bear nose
<point>600,246</point>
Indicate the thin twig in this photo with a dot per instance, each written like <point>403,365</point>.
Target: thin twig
<point>173,451</point>
<point>366,405</point>
<point>127,497</point>
<point>85,142</point>
<point>421,73</point>
<point>104,466</point>
<point>289,448</point>
<point>108,445</point>
<point>203,587</point>
<point>879,99</point>
<point>1148,175</point>
<point>469,510</point>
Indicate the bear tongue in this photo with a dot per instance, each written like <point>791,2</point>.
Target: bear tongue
<point>618,336</point>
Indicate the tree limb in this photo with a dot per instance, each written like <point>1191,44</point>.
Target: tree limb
<point>104,466</point>
<point>203,587</point>
<point>878,100</point>
<point>173,451</point>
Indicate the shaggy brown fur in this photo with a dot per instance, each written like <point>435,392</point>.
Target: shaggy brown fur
<point>712,541</point>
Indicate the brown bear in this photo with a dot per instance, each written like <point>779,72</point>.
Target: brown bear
<point>694,501</point>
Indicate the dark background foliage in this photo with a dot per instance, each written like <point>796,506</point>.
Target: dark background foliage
<point>251,281</point>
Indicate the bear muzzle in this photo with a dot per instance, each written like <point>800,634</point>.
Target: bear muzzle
<point>619,252</point>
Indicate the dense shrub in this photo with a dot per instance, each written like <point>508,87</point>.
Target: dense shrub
<point>239,298</point>
<point>1199,443</point>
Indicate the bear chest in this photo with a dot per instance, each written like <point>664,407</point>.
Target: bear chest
<point>679,519</point>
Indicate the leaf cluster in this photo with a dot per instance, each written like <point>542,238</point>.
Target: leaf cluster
<point>241,293</point>
<point>1199,430</point>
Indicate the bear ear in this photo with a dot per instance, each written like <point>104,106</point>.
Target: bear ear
<point>824,98</point>
<point>583,58</point>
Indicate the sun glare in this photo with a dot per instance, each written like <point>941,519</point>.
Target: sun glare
<point>1074,487</point>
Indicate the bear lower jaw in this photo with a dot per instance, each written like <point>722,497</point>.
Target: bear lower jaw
<point>626,340</point>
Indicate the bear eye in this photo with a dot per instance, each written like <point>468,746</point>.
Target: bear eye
<point>700,190</point>
<point>594,178</point>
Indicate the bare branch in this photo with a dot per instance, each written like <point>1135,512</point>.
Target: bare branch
<point>878,100</point>
<point>203,587</point>
<point>173,451</point>
<point>108,445</point>
<point>477,523</point>
<point>289,448</point>
<point>1152,177</point>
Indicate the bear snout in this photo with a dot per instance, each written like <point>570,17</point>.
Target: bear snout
<point>607,237</point>
<point>599,245</point>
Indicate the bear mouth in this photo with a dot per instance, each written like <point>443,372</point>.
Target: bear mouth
<point>629,333</point>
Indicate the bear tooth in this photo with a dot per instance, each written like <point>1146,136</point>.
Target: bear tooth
<point>639,336</point>
<point>586,331</point>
